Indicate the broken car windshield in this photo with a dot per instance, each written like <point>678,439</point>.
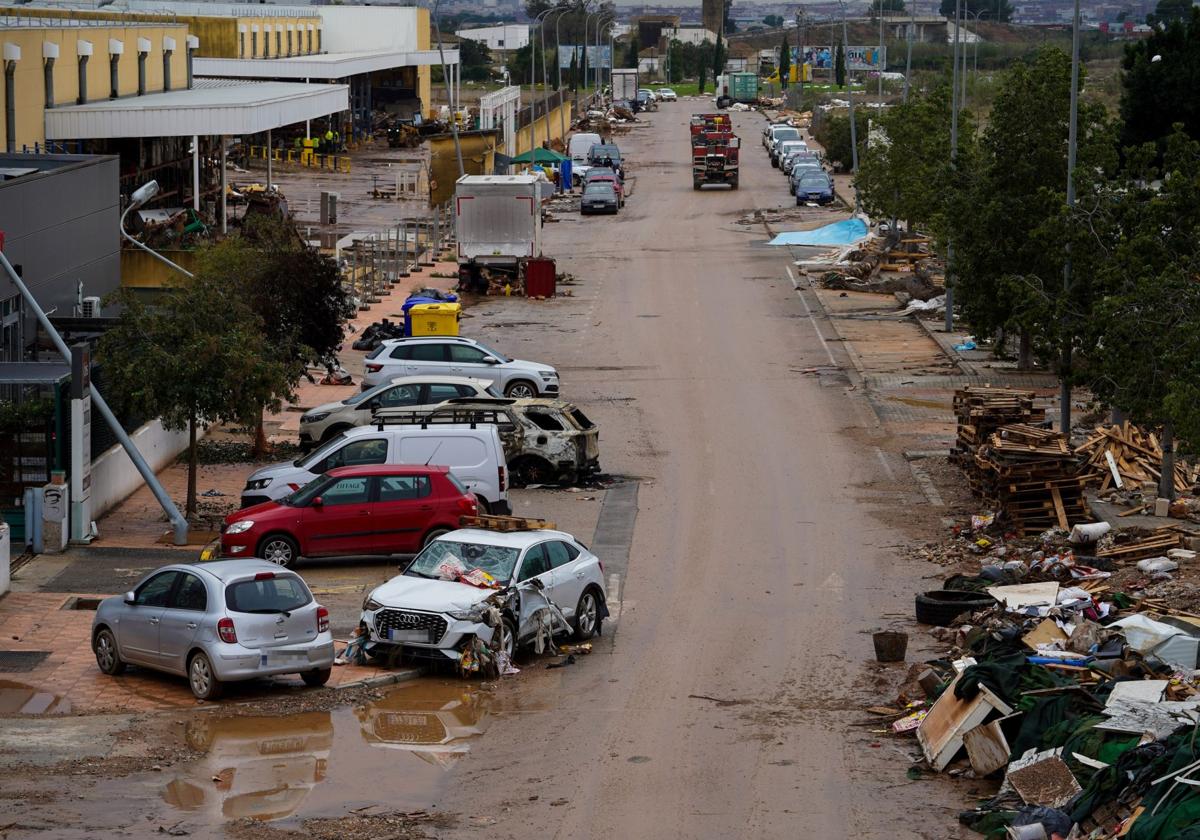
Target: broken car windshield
<point>444,560</point>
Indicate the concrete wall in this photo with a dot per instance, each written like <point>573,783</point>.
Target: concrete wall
<point>510,36</point>
<point>60,226</point>
<point>29,78</point>
<point>114,477</point>
<point>549,127</point>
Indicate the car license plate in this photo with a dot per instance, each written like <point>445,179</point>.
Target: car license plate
<point>409,636</point>
<point>282,657</point>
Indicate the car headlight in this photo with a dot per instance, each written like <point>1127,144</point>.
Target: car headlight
<point>257,483</point>
<point>548,374</point>
<point>473,614</point>
<point>370,604</point>
<point>315,418</point>
<point>240,527</point>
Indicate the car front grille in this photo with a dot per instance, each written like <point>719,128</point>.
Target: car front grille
<point>433,625</point>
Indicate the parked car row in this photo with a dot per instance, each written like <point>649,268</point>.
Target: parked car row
<point>789,152</point>
<point>397,470</point>
<point>603,179</point>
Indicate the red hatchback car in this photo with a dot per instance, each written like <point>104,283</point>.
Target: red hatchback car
<point>352,511</point>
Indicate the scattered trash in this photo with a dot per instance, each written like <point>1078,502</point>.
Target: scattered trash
<point>890,645</point>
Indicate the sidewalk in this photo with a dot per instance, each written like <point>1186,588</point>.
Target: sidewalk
<point>64,679</point>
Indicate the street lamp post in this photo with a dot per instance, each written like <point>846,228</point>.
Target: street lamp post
<point>850,102</point>
<point>1064,396</point>
<point>437,29</point>
<point>546,76</point>
<point>953,155</point>
<point>562,117</point>
<point>968,14</point>
<point>533,88</point>
<point>140,196</point>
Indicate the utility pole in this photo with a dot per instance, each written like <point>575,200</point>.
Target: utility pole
<point>800,50</point>
<point>449,96</point>
<point>850,102</point>
<point>1064,373</point>
<point>882,65</point>
<point>909,38</point>
<point>953,155</point>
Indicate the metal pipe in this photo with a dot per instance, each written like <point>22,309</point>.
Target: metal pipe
<point>178,523</point>
<point>10,111</point>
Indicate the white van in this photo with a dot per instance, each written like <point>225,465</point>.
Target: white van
<point>577,149</point>
<point>473,453</point>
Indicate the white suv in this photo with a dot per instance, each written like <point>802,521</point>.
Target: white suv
<point>457,356</point>
<point>437,606</point>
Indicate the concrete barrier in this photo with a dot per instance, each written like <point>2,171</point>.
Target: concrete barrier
<point>115,478</point>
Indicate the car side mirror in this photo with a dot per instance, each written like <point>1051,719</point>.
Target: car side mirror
<point>490,360</point>
<point>318,502</point>
<point>130,598</point>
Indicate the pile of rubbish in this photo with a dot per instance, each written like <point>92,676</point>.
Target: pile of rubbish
<point>1128,457</point>
<point>1071,680</point>
<point>888,264</point>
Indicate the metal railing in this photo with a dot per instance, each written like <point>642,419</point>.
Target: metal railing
<point>376,262</point>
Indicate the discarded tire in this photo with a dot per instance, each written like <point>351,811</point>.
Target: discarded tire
<point>940,607</point>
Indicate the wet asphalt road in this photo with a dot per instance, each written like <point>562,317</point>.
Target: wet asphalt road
<point>721,701</point>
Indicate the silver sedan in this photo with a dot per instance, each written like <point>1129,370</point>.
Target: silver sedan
<point>214,623</point>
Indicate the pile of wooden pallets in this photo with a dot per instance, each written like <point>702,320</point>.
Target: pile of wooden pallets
<point>1132,453</point>
<point>1031,475</point>
<point>981,410</point>
<point>1129,547</point>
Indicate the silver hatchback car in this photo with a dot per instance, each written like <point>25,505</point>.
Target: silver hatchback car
<point>214,623</point>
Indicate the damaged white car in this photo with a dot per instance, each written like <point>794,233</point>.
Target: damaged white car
<point>473,583</point>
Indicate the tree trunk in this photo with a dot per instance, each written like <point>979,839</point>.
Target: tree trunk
<point>1025,351</point>
<point>260,437</point>
<point>189,509</point>
<point>998,346</point>
<point>1166,480</point>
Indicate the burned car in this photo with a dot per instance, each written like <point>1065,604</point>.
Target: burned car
<point>545,440</point>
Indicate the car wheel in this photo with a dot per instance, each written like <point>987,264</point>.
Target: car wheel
<point>484,507</point>
<point>433,535</point>
<point>107,657</point>
<point>940,607</point>
<point>520,390</point>
<point>316,679</point>
<point>279,549</point>
<point>587,616</point>
<point>508,637</point>
<point>203,679</point>
<point>531,470</point>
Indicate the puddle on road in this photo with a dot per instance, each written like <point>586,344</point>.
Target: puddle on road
<point>916,403</point>
<point>20,699</point>
<point>396,750</point>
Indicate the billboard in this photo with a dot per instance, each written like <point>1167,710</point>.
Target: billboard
<point>857,58</point>
<point>596,56</point>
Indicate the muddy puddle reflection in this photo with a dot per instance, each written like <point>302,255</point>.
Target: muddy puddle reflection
<point>20,699</point>
<point>396,750</point>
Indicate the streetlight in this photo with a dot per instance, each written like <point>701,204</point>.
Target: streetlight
<point>953,155</point>
<point>1064,396</point>
<point>546,77</point>
<point>532,92</point>
<point>605,19</point>
<point>562,116</point>
<point>142,195</point>
<point>967,13</point>
<point>437,29</point>
<point>850,102</point>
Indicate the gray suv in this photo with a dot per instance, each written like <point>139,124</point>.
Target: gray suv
<point>458,356</point>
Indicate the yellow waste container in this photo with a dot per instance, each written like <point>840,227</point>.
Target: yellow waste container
<point>435,318</point>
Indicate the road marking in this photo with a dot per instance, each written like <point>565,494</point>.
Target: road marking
<point>886,466</point>
<point>809,313</point>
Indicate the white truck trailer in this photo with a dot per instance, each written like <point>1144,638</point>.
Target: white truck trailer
<point>498,224</point>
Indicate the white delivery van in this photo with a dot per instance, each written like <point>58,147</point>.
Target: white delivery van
<point>473,452</point>
<point>578,147</point>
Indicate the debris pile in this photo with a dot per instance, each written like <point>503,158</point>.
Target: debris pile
<point>888,264</point>
<point>982,410</point>
<point>1072,681</point>
<point>1128,457</point>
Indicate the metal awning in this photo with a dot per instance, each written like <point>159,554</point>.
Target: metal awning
<point>34,373</point>
<point>321,66</point>
<point>212,107</point>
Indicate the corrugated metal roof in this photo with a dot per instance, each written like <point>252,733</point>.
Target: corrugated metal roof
<point>320,66</point>
<point>212,107</point>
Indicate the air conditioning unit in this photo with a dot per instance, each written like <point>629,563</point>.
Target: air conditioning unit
<point>91,307</point>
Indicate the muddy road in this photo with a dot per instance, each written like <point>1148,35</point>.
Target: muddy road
<point>722,702</point>
<point>750,545</point>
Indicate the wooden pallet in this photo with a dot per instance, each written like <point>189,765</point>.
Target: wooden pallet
<point>507,524</point>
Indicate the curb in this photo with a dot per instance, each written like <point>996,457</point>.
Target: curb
<point>959,362</point>
<point>404,675</point>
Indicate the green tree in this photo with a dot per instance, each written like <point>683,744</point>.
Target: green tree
<point>839,64</point>
<point>773,20</point>
<point>199,355</point>
<point>676,63</point>
<point>833,133</point>
<point>519,61</point>
<point>1007,216</point>
<point>701,80</point>
<point>1166,11</point>
<point>785,62</point>
<point>727,20</point>
<point>1157,94</point>
<point>718,61</point>
<point>476,60</point>
<point>887,6</point>
<point>631,54</point>
<point>904,171</point>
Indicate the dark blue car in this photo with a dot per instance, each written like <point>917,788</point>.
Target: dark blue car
<point>814,186</point>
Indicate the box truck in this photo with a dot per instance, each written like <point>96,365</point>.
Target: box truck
<point>498,224</point>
